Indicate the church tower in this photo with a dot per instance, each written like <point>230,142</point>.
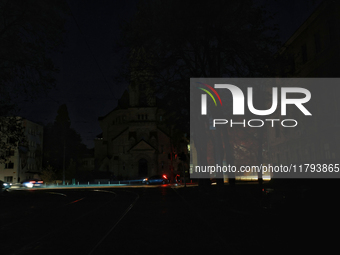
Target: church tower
<point>141,87</point>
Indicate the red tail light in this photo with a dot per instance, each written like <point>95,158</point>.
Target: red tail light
<point>40,182</point>
<point>164,176</point>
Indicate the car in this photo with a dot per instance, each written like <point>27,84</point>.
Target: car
<point>32,183</point>
<point>16,185</point>
<point>4,186</point>
<point>156,179</point>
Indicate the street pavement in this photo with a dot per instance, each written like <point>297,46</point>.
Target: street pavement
<point>161,219</point>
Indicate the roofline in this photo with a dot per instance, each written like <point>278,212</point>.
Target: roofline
<point>142,140</point>
<point>304,25</point>
<point>163,131</point>
<point>119,134</point>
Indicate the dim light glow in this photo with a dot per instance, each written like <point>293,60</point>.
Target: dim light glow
<point>253,178</point>
<point>29,185</point>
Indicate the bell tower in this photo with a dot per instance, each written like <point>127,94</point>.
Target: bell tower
<point>141,87</point>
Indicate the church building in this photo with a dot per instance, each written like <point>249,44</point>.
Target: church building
<point>135,142</point>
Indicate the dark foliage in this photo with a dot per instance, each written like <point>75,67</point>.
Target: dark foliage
<point>30,30</point>
<point>61,140</point>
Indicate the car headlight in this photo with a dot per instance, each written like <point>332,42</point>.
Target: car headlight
<point>28,185</point>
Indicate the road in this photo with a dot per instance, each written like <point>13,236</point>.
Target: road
<point>162,219</point>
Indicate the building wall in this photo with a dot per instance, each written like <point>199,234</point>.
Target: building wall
<point>27,161</point>
<point>135,142</point>
<point>131,136</point>
<point>314,52</point>
<point>314,46</point>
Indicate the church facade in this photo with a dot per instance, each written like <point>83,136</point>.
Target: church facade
<point>135,142</point>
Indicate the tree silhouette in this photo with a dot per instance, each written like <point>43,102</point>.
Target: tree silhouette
<point>11,136</point>
<point>30,30</point>
<point>60,139</point>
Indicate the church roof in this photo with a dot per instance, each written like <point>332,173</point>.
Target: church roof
<point>119,134</point>
<point>123,103</point>
<point>142,145</point>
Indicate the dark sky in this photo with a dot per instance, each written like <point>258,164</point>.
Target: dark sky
<point>88,63</point>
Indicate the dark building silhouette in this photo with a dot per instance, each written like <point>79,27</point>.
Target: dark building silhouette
<point>136,142</point>
<point>312,52</point>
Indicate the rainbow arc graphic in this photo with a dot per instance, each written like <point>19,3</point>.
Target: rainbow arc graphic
<point>209,93</point>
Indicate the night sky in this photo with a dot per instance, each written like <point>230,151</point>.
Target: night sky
<point>89,61</point>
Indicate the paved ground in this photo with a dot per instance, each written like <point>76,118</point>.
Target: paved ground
<point>164,220</point>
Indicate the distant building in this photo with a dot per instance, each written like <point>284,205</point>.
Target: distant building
<point>135,142</point>
<point>313,51</point>
<point>87,163</point>
<point>25,162</point>
<point>87,167</point>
